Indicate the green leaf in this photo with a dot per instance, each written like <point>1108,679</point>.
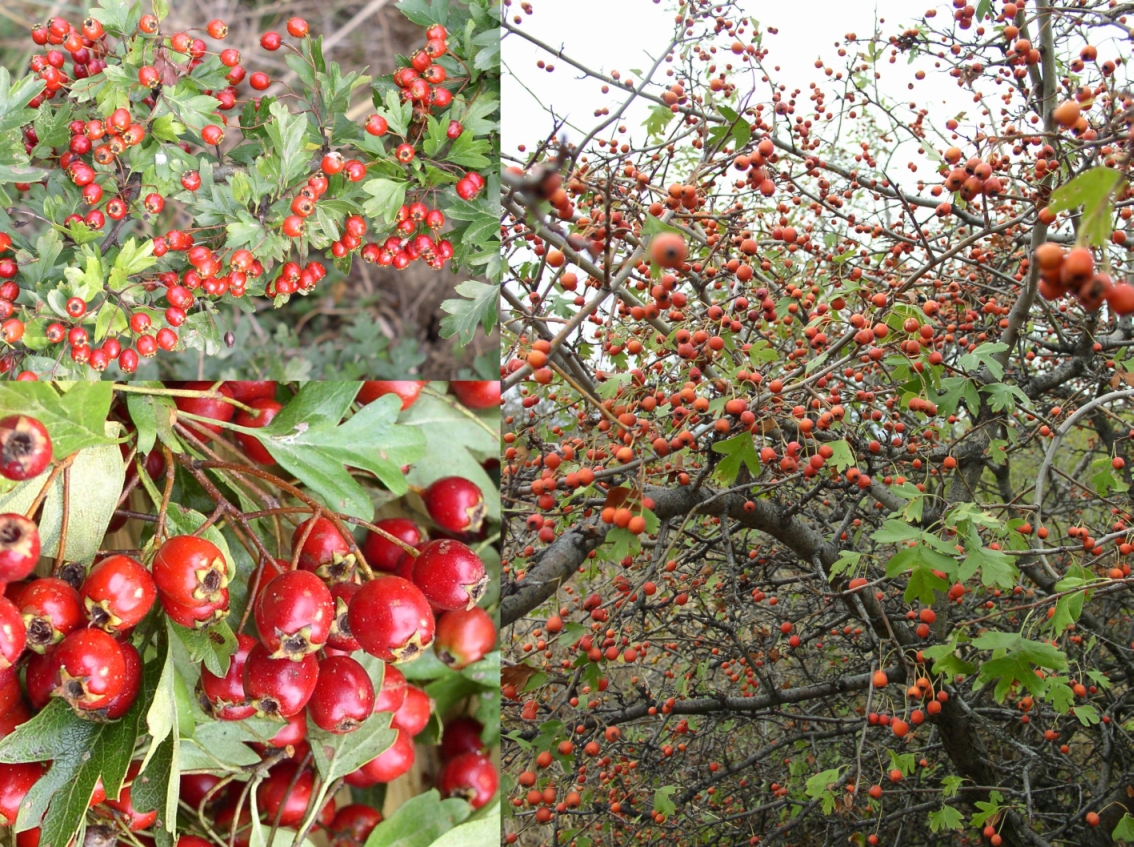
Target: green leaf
<point>419,822</point>
<point>658,119</point>
<point>74,413</point>
<point>95,481</point>
<point>738,450</point>
<point>338,755</point>
<point>983,355</point>
<point>945,818</point>
<point>987,808</point>
<point>817,788</point>
<point>894,531</point>
<point>307,440</point>
<point>662,803</point>
<point>1094,190</point>
<point>132,259</point>
<point>468,151</point>
<point>477,307</point>
<point>1125,829</point>
<point>213,645</point>
<point>477,833</point>
<point>995,566</point>
<point>424,13</point>
<point>387,196</point>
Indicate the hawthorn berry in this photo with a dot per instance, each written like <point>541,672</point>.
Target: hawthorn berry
<point>455,504</point>
<point>450,574</point>
<point>324,550</point>
<point>464,636</point>
<point>470,776</point>
<point>224,697</point>
<point>266,410</point>
<point>390,617</point>
<point>19,547</point>
<point>343,696</point>
<point>406,390</point>
<point>25,447</point>
<point>87,669</point>
<point>117,593</point>
<point>50,609</point>
<point>294,613</point>
<point>383,554</point>
<point>279,688</point>
<point>189,571</point>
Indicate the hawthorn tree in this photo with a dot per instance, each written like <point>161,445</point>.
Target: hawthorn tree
<point>817,521</point>
<point>155,179</point>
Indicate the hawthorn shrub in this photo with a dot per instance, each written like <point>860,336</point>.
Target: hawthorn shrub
<point>150,187</point>
<point>247,613</point>
<point>818,479</point>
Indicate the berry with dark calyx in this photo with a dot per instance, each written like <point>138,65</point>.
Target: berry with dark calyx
<point>340,637</point>
<point>13,636</point>
<point>25,447</point>
<point>88,669</point>
<point>462,735</point>
<point>190,571</point>
<point>397,760</point>
<point>19,547</point>
<point>352,825</point>
<point>477,394</point>
<point>51,609</point>
<point>413,716</point>
<point>117,594</point>
<point>279,688</point>
<point>266,410</point>
<point>383,554</point>
<point>464,636</point>
<point>407,390</point>
<point>223,696</point>
<point>450,574</point>
<point>197,616</point>
<point>377,125</point>
<point>121,702</point>
<point>391,619</point>
<point>343,697</point>
<point>470,776</point>
<point>325,551</point>
<point>455,504</point>
<point>294,613</point>
<point>205,407</point>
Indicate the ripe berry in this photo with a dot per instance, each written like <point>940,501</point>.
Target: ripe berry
<point>325,551</point>
<point>285,793</point>
<point>396,761</point>
<point>464,636</point>
<point>190,571</point>
<point>117,593</point>
<point>377,125</point>
<point>353,824</point>
<point>197,616</point>
<point>87,669</point>
<point>279,688</point>
<point>124,804</point>
<point>16,780</point>
<point>383,554</point>
<point>470,776</point>
<point>461,735</point>
<point>477,394</point>
<point>50,609</point>
<point>266,410</point>
<point>19,547</point>
<point>121,702</point>
<point>407,390</point>
<point>343,697</point>
<point>191,180</point>
<point>293,615</point>
<point>455,504</point>
<point>205,407</point>
<point>392,695</point>
<point>223,697</point>
<point>668,250</point>
<point>25,447</point>
<point>270,41</point>
<point>13,636</point>
<point>341,637</point>
<point>414,713</point>
<point>259,81</point>
<point>450,574</point>
<point>217,29</point>
<point>391,619</point>
<point>297,27</point>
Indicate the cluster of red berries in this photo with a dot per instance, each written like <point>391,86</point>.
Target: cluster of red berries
<point>70,633</point>
<point>420,82</point>
<point>1074,272</point>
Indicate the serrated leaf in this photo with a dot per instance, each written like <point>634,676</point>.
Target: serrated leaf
<point>477,308</point>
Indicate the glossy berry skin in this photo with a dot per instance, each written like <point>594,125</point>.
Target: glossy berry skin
<point>50,609</point>
<point>470,776</point>
<point>343,697</point>
<point>286,793</point>
<point>477,394</point>
<point>382,554</point>
<point>464,636</point>
<point>450,574</point>
<point>19,547</point>
<point>392,694</point>
<point>396,761</point>
<point>15,783</point>
<point>248,390</point>
<point>391,619</point>
<point>121,702</point>
<point>407,390</point>
<point>195,787</point>
<point>198,616</point>
<point>267,409</point>
<point>25,447</point>
<point>88,669</point>
<point>340,637</point>
<point>13,636</point>
<point>461,735</point>
<point>455,504</point>
<point>223,696</point>
<point>352,825</point>
<point>279,688</point>
<point>325,551</point>
<point>124,803</point>
<point>206,407</point>
<point>117,594</point>
<point>294,613</point>
<point>190,571</point>
<point>413,715</point>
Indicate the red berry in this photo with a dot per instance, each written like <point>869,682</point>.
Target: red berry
<point>461,735</point>
<point>341,637</point>
<point>297,27</point>
<point>248,390</point>
<point>392,695</point>
<point>19,547</point>
<point>197,616</point>
<point>205,407</point>
<point>413,715</point>
<point>293,615</point>
<point>353,824</point>
<point>325,551</point>
<point>117,593</point>
<point>16,781</point>
<point>87,669</point>
<point>224,697</point>
<point>477,394</point>
<point>464,636</point>
<point>124,804</point>
<point>266,410</point>
<point>25,447</point>
<point>121,702</point>
<point>270,41</point>
<point>407,390</point>
<point>377,125</point>
<point>285,793</point>
<point>13,636</point>
<point>190,571</point>
<point>391,619</point>
<point>455,504</point>
<point>396,761</point>
<point>343,697</point>
<point>383,554</point>
<point>50,609</point>
<point>279,688</point>
<point>450,574</point>
<point>470,776</point>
